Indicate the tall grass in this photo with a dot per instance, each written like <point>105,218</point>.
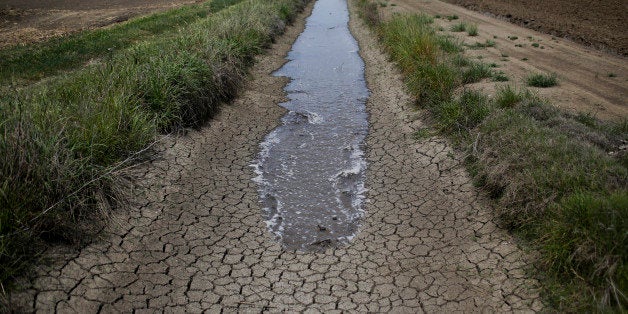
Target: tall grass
<point>61,141</point>
<point>26,63</point>
<point>561,181</point>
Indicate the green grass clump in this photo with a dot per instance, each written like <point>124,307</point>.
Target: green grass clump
<point>61,141</point>
<point>594,225</point>
<point>452,17</point>
<point>459,27</point>
<point>472,29</point>
<point>542,80</point>
<point>480,45</point>
<point>513,37</point>
<point>459,115</point>
<point>22,64</point>
<point>508,96</point>
<point>476,72</point>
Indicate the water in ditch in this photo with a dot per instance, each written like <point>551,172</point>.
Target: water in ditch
<point>311,168</point>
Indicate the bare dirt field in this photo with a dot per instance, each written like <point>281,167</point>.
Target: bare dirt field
<point>590,81</point>
<point>601,24</point>
<point>26,21</point>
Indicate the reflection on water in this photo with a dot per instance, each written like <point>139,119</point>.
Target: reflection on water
<point>311,168</point>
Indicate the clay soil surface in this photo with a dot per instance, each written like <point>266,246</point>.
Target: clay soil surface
<point>601,23</point>
<point>26,21</point>
<point>589,81</point>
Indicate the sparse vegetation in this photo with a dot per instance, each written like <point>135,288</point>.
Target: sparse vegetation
<point>513,37</point>
<point>459,27</point>
<point>542,80</point>
<point>452,17</point>
<point>535,45</point>
<point>472,30</point>
<point>480,45</point>
<point>62,141</point>
<point>558,179</point>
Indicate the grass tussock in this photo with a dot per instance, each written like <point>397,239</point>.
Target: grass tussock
<point>561,180</point>
<point>542,80</point>
<point>62,141</point>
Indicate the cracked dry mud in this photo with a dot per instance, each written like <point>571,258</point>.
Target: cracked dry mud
<point>194,239</point>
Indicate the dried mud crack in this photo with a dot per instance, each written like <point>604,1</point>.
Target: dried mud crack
<point>194,239</point>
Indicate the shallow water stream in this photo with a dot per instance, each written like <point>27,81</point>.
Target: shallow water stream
<point>311,168</point>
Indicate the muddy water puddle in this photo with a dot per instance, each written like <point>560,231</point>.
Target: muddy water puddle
<point>311,168</point>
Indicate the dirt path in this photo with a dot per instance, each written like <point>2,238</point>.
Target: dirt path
<point>583,73</point>
<point>194,238</point>
<point>26,21</point>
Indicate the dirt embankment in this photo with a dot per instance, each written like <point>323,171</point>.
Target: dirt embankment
<point>601,24</point>
<point>27,21</point>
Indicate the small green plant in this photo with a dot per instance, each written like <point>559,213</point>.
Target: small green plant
<point>437,16</point>
<point>524,59</point>
<point>476,72</point>
<point>513,37</point>
<point>508,96</point>
<point>452,17</point>
<point>542,80</point>
<point>535,45</point>
<point>459,115</point>
<point>480,45</point>
<point>472,29</point>
<point>493,65</point>
<point>519,45</point>
<point>460,61</point>
<point>422,134</point>
<point>459,27</point>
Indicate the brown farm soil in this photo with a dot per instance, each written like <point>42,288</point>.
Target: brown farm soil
<point>600,23</point>
<point>589,81</point>
<point>27,21</point>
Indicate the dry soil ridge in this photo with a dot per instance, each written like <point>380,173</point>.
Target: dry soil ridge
<point>194,238</point>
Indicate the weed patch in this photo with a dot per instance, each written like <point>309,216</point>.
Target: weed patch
<point>542,80</point>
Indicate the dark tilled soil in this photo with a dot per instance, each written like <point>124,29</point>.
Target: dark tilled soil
<point>598,23</point>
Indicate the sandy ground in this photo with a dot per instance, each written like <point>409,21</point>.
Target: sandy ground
<point>27,21</point>
<point>194,239</point>
<point>584,81</point>
<point>601,23</point>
